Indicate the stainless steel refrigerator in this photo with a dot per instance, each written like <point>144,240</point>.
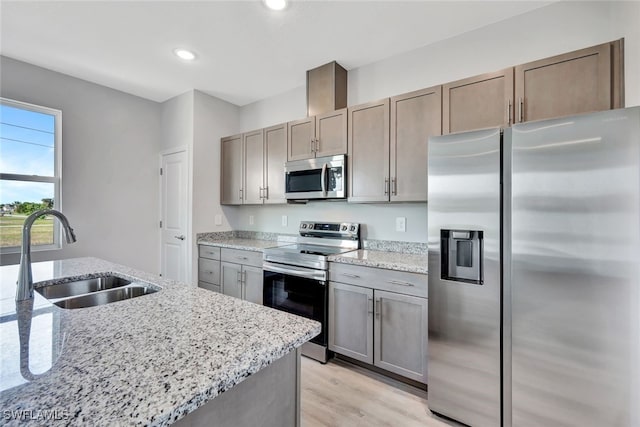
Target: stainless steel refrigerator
<point>534,273</point>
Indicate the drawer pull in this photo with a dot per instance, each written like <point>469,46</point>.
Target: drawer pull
<point>355,276</point>
<point>209,272</point>
<point>242,257</point>
<point>400,282</point>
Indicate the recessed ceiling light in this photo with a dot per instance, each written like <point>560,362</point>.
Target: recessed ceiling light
<point>185,54</point>
<point>276,4</point>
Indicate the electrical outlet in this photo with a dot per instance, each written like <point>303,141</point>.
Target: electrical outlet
<point>217,220</point>
<point>284,220</point>
<point>401,224</point>
<point>250,219</point>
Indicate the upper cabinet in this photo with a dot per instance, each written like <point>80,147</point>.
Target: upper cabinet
<point>577,82</point>
<point>415,117</point>
<point>478,102</point>
<point>388,146</point>
<point>252,169</point>
<point>231,170</point>
<point>318,136</point>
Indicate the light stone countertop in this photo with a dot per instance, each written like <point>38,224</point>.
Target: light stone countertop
<point>145,361</point>
<point>412,263</point>
<point>255,245</point>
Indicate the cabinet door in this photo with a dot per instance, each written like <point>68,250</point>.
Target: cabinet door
<point>573,83</point>
<point>478,102</point>
<point>275,147</point>
<point>300,139</point>
<point>230,279</point>
<point>253,167</point>
<point>331,133</point>
<point>415,117</point>
<point>368,139</point>
<point>401,334</point>
<point>252,284</point>
<point>351,321</point>
<point>231,170</point>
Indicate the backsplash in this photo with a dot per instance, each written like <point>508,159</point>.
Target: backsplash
<point>373,245</point>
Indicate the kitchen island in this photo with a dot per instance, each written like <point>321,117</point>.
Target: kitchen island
<point>181,354</point>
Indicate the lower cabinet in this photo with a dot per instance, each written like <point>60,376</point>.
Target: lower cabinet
<point>242,281</point>
<point>382,328</point>
<point>209,268</point>
<point>241,274</point>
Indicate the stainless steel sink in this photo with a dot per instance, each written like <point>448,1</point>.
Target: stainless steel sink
<point>81,287</point>
<point>105,297</point>
<point>93,291</point>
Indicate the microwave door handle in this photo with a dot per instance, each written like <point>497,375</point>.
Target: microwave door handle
<point>323,180</point>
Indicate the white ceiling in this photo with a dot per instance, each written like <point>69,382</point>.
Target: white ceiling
<point>245,51</point>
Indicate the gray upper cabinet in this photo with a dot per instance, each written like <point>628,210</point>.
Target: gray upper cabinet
<point>253,167</point>
<point>368,143</point>
<point>577,82</point>
<point>415,117</point>
<point>231,170</point>
<point>401,334</point>
<point>275,149</point>
<point>478,102</point>
<point>322,135</point>
<point>252,170</point>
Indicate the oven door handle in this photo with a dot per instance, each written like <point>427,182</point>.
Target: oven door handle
<point>319,275</point>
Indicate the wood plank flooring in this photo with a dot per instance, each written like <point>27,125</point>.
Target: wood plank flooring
<point>340,394</point>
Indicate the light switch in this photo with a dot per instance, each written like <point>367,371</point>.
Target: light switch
<point>250,219</point>
<point>284,220</point>
<point>401,224</point>
<point>217,220</point>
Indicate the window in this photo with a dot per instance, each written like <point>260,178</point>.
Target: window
<point>30,172</point>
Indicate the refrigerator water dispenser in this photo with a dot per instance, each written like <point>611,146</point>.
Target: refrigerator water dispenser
<point>461,255</point>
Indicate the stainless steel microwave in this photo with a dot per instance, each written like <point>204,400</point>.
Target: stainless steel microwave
<point>319,178</point>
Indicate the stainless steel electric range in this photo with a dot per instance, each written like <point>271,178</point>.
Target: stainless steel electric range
<point>296,276</point>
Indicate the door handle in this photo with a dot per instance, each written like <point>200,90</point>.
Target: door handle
<point>323,182</point>
<point>180,237</point>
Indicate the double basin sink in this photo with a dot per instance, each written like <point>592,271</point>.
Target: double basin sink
<point>93,291</point>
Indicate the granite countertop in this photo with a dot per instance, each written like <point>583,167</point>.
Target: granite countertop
<point>412,263</point>
<point>255,245</point>
<point>145,361</point>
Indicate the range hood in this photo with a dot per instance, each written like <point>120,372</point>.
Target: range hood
<point>326,89</point>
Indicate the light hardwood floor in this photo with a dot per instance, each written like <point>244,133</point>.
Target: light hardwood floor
<point>344,395</point>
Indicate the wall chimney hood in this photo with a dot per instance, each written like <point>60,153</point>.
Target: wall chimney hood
<point>326,89</point>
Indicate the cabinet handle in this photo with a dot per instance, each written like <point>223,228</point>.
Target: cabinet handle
<point>317,145</point>
<point>208,272</point>
<point>312,146</point>
<point>238,277</point>
<point>240,192</point>
<point>266,192</point>
<point>394,187</point>
<point>260,189</point>
<point>243,277</point>
<point>242,257</point>
<point>521,110</point>
<point>386,186</point>
<point>355,276</point>
<point>400,282</point>
<point>378,309</point>
<point>370,305</point>
<point>509,113</point>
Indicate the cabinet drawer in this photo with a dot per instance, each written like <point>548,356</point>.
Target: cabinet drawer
<point>209,271</point>
<point>209,286</point>
<point>377,278</point>
<point>241,257</point>
<point>211,252</point>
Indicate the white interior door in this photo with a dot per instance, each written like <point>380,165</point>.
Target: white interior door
<point>174,216</point>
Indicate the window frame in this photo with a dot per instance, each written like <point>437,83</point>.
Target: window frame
<point>56,180</point>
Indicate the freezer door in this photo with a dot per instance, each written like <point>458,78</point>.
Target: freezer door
<point>464,277</point>
<point>576,271</point>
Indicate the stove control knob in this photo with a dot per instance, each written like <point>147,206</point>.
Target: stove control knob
<point>304,225</point>
<point>352,228</point>
<point>344,228</point>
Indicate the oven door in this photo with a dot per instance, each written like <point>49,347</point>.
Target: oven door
<point>297,290</point>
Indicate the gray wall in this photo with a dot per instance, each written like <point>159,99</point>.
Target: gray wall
<point>109,160</point>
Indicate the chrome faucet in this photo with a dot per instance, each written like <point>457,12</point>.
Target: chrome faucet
<point>25,279</point>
